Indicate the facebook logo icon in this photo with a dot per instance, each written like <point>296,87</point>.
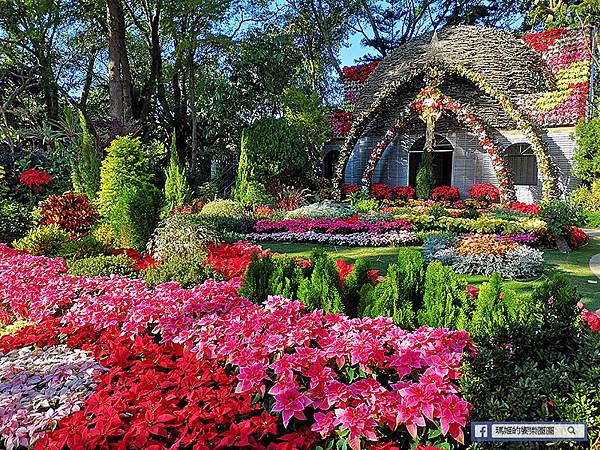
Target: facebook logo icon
<point>480,432</point>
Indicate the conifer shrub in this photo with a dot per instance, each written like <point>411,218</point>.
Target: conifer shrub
<point>286,277</point>
<point>177,189</point>
<point>256,287</point>
<point>355,286</point>
<point>85,164</point>
<point>425,179</point>
<point>389,299</point>
<point>322,289</point>
<point>446,303</point>
<point>46,240</point>
<point>496,308</point>
<point>127,199</point>
<point>412,268</point>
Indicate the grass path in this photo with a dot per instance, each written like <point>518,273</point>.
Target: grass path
<point>575,265</point>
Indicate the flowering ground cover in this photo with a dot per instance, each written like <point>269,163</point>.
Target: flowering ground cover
<point>205,366</point>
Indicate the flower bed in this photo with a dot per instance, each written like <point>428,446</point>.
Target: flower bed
<point>312,374</point>
<point>331,226</point>
<point>480,254</point>
<point>364,239</point>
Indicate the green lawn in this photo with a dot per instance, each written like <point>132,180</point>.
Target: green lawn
<point>575,265</point>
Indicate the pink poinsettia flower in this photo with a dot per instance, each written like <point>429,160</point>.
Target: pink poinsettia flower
<point>291,403</point>
<point>453,414</point>
<point>359,422</point>
<point>251,377</point>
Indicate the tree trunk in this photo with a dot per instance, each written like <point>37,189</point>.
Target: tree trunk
<point>192,97</point>
<point>119,74</point>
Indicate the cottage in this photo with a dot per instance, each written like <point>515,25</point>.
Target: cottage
<point>501,110</point>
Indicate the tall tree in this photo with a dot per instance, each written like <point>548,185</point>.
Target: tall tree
<point>119,73</point>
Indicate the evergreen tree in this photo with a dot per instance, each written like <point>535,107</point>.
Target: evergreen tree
<point>496,307</point>
<point>322,290</point>
<point>177,189</point>
<point>256,280</point>
<point>85,166</point>
<point>286,277</point>
<point>446,303</point>
<point>425,181</point>
<point>353,287</point>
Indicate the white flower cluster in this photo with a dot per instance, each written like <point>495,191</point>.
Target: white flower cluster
<point>363,239</point>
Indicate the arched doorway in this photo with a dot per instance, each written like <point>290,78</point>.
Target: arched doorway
<point>442,161</point>
<point>329,163</point>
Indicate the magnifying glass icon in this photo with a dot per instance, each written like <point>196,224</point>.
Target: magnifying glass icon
<point>571,430</point>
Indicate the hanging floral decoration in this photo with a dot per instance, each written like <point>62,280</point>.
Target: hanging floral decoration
<point>389,136</point>
<point>547,168</point>
<point>430,103</point>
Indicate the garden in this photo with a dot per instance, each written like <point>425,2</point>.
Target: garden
<point>150,319</point>
<point>180,268</point>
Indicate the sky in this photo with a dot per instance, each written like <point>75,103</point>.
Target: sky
<point>353,51</point>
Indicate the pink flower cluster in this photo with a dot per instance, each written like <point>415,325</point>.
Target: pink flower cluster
<point>361,375</point>
<point>330,226</point>
<point>326,371</point>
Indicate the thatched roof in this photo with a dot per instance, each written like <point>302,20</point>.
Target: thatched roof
<point>504,60</point>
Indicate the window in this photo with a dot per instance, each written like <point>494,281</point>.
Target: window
<point>522,163</point>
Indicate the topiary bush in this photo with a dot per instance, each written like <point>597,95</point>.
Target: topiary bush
<point>229,209</point>
<point>103,265</point>
<point>15,220</point>
<point>128,200</point>
<point>181,234</point>
<point>187,270</point>
<point>47,240</point>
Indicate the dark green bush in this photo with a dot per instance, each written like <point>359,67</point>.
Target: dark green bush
<point>354,287</point>
<point>425,181</point>
<point>103,265</point>
<point>388,299</point>
<point>446,303</point>
<point>83,247</point>
<point>256,280</point>
<point>85,165</point>
<point>15,220</point>
<point>544,368</point>
<point>587,156</point>
<point>322,290</point>
<point>187,270</point>
<point>286,277</point>
<point>558,215</point>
